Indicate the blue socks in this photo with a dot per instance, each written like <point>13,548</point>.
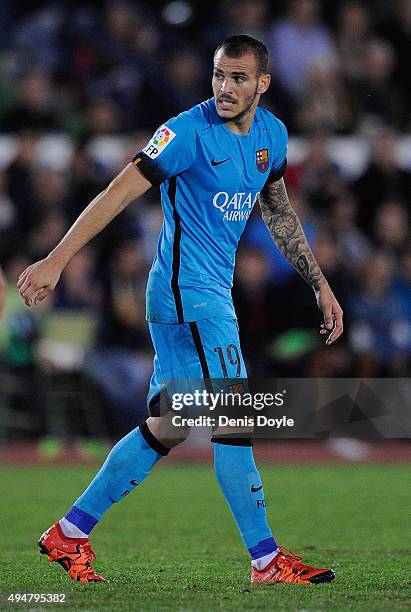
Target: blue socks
<point>240,482</point>
<point>127,465</point>
<point>132,459</point>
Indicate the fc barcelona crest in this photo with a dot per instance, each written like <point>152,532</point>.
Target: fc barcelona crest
<point>262,160</point>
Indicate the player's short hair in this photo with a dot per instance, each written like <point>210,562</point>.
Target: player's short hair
<point>236,46</point>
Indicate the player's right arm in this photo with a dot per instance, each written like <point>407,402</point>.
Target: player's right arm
<point>39,280</point>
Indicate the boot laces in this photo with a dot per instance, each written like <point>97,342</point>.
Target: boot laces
<point>89,552</point>
<point>293,560</point>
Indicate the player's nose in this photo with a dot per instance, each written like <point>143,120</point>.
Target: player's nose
<point>225,87</point>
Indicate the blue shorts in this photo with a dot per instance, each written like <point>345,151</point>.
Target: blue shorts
<point>202,350</point>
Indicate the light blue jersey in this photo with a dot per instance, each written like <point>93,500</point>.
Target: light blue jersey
<point>210,180</point>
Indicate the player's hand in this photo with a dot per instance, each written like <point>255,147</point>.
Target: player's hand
<point>39,280</point>
<point>332,311</point>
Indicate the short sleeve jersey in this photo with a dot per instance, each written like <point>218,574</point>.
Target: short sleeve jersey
<point>210,179</point>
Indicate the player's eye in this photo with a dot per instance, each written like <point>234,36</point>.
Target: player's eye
<point>219,76</point>
<point>239,79</point>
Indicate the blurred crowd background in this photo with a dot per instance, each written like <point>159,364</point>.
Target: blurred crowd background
<point>82,87</point>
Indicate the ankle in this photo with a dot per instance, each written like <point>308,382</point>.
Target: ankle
<point>262,563</point>
<point>69,530</point>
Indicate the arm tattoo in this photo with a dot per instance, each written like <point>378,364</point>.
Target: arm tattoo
<point>285,228</point>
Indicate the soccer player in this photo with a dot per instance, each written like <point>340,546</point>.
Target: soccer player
<point>213,163</point>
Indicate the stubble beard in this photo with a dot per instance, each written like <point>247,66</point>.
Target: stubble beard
<point>239,118</point>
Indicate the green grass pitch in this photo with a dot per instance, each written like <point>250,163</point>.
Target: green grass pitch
<point>172,544</point>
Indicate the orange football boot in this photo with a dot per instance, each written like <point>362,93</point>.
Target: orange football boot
<point>287,567</point>
<point>73,554</point>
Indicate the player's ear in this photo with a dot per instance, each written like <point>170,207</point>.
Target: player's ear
<point>264,81</point>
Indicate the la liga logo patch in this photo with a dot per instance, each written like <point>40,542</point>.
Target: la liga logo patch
<point>262,160</point>
<point>159,141</point>
<point>162,136</point>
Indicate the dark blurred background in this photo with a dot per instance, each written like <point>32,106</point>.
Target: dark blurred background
<point>82,87</point>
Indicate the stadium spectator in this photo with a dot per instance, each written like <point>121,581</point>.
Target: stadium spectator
<point>318,176</point>
<point>382,180</point>
<point>36,109</point>
<point>395,27</point>
<point>48,201</point>
<point>377,320</point>
<point>19,180</point>
<point>373,96</point>
<point>84,180</point>
<point>253,295</point>
<point>183,77</point>
<point>46,231</point>
<point>323,104</point>
<point>298,40</point>
<point>391,227</point>
<point>248,16</point>
<point>354,28</point>
<point>36,37</point>
<point>120,363</point>
<point>102,118</point>
<point>352,245</point>
<point>78,288</point>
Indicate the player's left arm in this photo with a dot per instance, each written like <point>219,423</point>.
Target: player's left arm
<point>285,228</point>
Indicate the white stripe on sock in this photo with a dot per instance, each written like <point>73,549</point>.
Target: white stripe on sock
<point>70,530</point>
<point>262,562</point>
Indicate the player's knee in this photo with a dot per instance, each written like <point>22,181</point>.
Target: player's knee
<point>233,436</point>
<point>166,432</point>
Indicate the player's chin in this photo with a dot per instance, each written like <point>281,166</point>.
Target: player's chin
<point>227,112</point>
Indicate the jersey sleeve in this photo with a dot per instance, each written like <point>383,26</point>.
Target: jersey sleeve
<point>170,151</point>
<point>279,161</point>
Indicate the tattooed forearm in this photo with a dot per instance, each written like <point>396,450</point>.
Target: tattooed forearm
<point>287,232</point>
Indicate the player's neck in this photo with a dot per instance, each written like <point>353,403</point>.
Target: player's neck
<point>242,123</point>
<point>240,127</point>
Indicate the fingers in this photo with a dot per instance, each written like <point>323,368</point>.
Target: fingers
<point>28,297</point>
<point>328,317</point>
<point>33,297</point>
<point>336,331</point>
<point>41,295</point>
<point>25,288</point>
<point>29,290</point>
<point>23,277</point>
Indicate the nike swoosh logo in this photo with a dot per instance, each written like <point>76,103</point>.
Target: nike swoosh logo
<point>255,489</point>
<point>134,482</point>
<point>217,163</point>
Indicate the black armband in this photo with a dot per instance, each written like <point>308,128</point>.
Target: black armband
<point>148,168</point>
<point>276,175</point>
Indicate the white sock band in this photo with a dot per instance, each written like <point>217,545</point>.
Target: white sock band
<point>70,530</point>
<point>262,562</point>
